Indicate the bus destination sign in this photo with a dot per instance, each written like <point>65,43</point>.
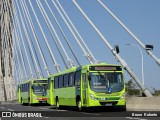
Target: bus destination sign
<point>105,68</point>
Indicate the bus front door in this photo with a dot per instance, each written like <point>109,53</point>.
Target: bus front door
<point>19,94</point>
<point>84,90</point>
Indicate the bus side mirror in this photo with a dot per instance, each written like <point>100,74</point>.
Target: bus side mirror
<point>31,87</point>
<point>116,48</point>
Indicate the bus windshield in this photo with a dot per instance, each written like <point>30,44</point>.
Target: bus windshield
<point>106,82</point>
<point>40,89</point>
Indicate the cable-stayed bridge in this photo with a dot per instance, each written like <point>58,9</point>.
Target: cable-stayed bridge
<point>39,38</point>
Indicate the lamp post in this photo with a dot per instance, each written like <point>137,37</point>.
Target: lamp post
<point>142,60</point>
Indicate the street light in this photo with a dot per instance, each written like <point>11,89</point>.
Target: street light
<point>142,60</point>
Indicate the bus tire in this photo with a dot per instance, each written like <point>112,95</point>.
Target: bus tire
<point>57,104</point>
<point>79,105</point>
<point>22,101</point>
<point>123,108</point>
<point>29,103</point>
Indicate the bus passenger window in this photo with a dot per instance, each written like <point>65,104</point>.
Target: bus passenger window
<point>56,82</point>
<point>77,78</point>
<point>26,86</point>
<point>61,81</point>
<point>49,80</point>
<point>66,80</point>
<point>22,87</point>
<point>71,79</point>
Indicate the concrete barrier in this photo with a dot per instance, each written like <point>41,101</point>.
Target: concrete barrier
<point>9,102</point>
<point>143,104</point>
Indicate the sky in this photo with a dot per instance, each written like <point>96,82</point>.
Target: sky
<point>140,16</point>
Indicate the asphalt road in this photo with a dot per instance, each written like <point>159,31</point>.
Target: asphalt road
<point>50,113</point>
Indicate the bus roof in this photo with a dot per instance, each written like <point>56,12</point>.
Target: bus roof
<point>26,81</point>
<point>82,67</point>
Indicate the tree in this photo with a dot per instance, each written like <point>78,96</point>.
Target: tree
<point>156,92</point>
<point>132,88</point>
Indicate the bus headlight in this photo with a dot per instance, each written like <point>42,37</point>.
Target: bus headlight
<point>122,97</point>
<point>92,97</point>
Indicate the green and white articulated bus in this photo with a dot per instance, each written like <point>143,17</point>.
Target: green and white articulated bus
<point>32,91</point>
<point>87,86</point>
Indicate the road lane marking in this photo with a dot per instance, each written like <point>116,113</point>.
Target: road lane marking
<point>90,113</point>
<point>129,118</point>
<point>46,117</point>
<point>132,118</point>
<point>43,108</point>
<point>10,110</point>
<point>2,107</point>
<point>62,110</point>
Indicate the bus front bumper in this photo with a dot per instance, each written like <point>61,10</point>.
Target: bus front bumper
<point>40,100</point>
<point>92,103</point>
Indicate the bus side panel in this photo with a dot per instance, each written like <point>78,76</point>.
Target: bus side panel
<point>52,100</point>
<point>49,91</point>
<point>66,96</point>
<point>24,97</point>
<point>77,92</point>
<point>48,96</point>
<point>71,97</point>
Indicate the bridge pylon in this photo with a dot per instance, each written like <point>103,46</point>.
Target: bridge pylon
<point>7,86</point>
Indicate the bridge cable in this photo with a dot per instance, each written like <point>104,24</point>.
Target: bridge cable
<point>18,26</point>
<point>18,65</point>
<point>117,56</point>
<point>35,37</point>
<point>28,41</point>
<point>89,54</point>
<point>85,53</point>
<point>23,42</point>
<point>22,58</point>
<point>62,46</point>
<point>18,43</point>
<point>16,77</point>
<point>64,36</point>
<point>40,73</point>
<point>157,60</point>
<point>48,26</point>
<point>18,69</point>
<point>52,56</point>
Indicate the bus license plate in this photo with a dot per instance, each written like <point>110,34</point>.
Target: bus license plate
<point>108,104</point>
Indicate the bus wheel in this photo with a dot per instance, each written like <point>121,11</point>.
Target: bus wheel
<point>79,105</point>
<point>123,108</point>
<point>57,104</point>
<point>29,102</point>
<point>22,102</point>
